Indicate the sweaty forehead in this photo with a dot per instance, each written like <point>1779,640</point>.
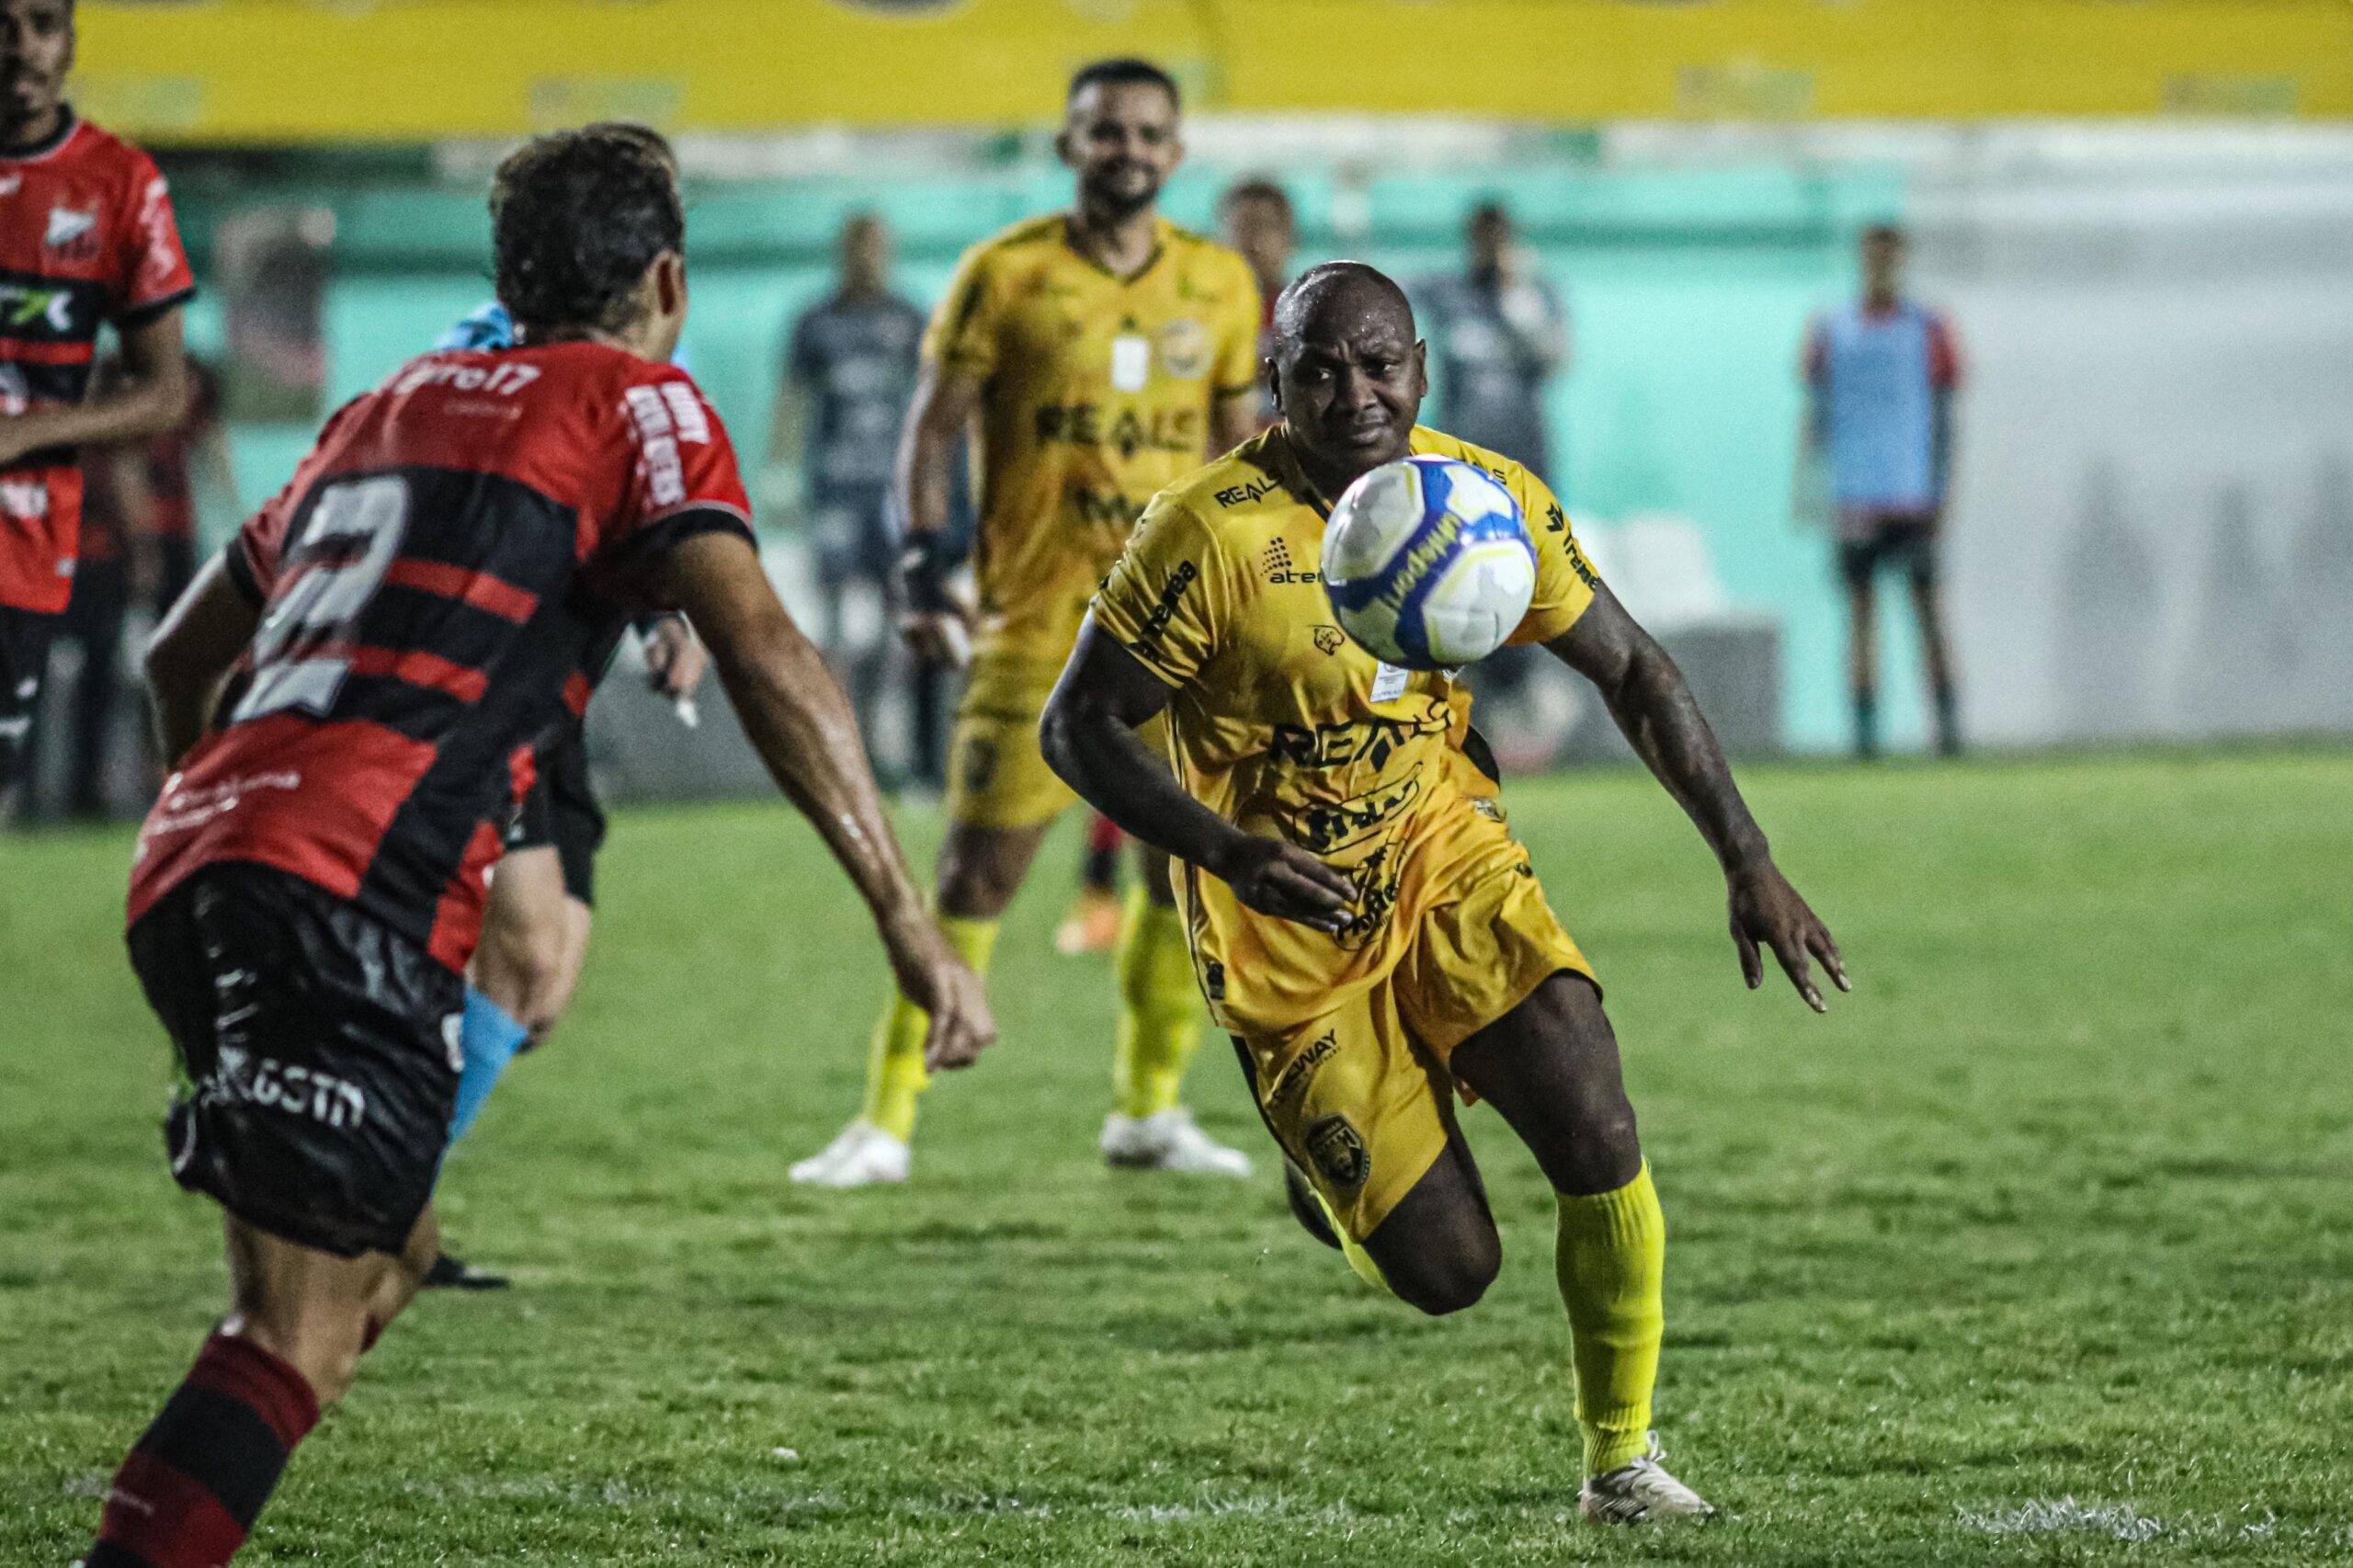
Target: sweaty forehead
<point>1349,314</point>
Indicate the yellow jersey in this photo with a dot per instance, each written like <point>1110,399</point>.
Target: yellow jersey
<point>1284,726</point>
<point>1096,392</point>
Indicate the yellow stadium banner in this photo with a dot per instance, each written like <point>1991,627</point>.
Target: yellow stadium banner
<point>310,71</point>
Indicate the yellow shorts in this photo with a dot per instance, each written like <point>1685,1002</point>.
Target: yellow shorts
<point>997,776</point>
<point>1359,1096</point>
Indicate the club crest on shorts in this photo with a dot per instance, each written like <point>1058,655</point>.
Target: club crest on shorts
<point>1338,1152</point>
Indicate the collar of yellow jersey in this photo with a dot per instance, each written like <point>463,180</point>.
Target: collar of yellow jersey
<point>1276,459</point>
<point>1160,229</point>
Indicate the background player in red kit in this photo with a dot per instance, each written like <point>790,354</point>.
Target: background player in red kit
<point>87,238</point>
<point>432,595</point>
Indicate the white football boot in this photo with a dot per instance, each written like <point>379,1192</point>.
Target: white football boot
<point>864,1155</point>
<point>1641,1490</point>
<point>1168,1141</point>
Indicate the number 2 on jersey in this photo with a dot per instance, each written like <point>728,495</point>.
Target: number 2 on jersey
<point>303,650</point>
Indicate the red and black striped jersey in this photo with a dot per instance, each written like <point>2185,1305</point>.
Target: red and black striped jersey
<point>87,238</point>
<point>440,585</point>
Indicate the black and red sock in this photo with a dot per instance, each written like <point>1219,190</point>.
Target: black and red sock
<point>193,1485</point>
<point>1103,839</point>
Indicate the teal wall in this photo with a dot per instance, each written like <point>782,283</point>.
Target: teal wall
<point>1689,292</point>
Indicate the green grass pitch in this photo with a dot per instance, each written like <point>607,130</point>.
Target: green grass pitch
<point>2037,1250</point>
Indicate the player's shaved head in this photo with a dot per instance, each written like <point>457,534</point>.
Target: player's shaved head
<point>1347,371</point>
<point>1334,292</point>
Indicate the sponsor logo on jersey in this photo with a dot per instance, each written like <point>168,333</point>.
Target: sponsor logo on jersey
<point>181,808</point>
<point>1375,885</point>
<point>1369,741</point>
<point>665,479</point>
<point>1102,508</point>
<point>1126,432</point>
<point>1326,827</point>
<point>1185,349</point>
<point>1242,495</point>
<point>1276,562</point>
<point>1337,1150</point>
<point>21,305</point>
<point>1155,625</point>
<point>500,380</point>
<point>1583,567</point>
<point>686,413</point>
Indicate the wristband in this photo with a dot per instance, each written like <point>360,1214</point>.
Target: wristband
<point>647,623</point>
<point>923,565</point>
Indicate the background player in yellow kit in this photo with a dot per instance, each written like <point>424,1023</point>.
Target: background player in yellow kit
<point>1097,354</point>
<point>1361,919</point>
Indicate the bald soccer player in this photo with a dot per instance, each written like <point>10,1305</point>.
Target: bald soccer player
<point>1361,919</point>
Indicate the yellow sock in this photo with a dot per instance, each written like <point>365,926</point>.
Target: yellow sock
<point>1160,1015</point>
<point>895,1073</point>
<point>1612,1262</point>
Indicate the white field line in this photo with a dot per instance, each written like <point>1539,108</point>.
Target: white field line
<point>2121,1521</point>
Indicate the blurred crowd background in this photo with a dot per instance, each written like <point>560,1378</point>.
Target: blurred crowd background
<point>1623,222</point>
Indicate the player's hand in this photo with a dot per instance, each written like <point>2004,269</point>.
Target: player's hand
<point>932,977</point>
<point>675,660</point>
<point>1767,912</point>
<point>1285,882</point>
<point>940,637</point>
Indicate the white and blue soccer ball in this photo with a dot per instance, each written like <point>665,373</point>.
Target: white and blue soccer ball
<point>1428,564</point>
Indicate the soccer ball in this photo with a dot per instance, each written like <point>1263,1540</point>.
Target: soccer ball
<point>1427,563</point>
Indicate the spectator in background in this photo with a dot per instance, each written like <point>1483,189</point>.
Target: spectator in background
<point>849,371</point>
<point>1255,217</point>
<point>1500,334</point>
<point>1881,374</point>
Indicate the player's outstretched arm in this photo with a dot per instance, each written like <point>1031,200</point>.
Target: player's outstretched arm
<point>191,653</point>
<point>935,626</point>
<point>1088,734</point>
<point>1654,709</point>
<point>802,726</point>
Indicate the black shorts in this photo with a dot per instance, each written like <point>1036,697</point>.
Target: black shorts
<point>1906,540</point>
<point>24,660</point>
<point>855,542</point>
<point>319,1054</point>
<point>561,812</point>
